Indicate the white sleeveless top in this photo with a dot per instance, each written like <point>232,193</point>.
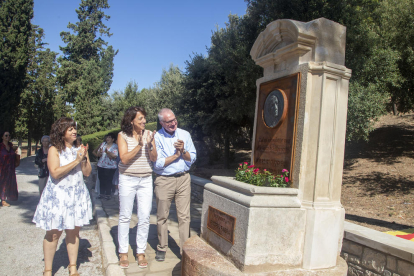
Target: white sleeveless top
<point>140,165</point>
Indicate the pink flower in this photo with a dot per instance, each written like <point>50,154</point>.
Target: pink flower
<point>251,166</point>
<point>256,170</point>
<point>240,164</point>
<point>246,163</point>
<point>281,176</point>
<point>286,179</point>
<point>265,170</point>
<point>284,170</point>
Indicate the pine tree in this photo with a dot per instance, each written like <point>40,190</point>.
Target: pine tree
<point>86,67</point>
<point>15,30</point>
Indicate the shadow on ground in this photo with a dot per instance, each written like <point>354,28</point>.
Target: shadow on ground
<point>377,222</point>
<point>386,144</point>
<point>383,183</point>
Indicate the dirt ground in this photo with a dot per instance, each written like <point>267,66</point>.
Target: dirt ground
<point>378,179</point>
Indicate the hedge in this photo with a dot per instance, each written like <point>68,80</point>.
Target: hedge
<point>95,139</point>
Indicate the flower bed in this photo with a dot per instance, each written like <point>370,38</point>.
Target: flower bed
<point>250,174</point>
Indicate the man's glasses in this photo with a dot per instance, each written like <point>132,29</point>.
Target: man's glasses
<point>173,121</point>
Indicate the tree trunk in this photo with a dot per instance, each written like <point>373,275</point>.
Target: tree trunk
<point>226,152</point>
<point>19,146</point>
<point>394,108</point>
<point>29,143</point>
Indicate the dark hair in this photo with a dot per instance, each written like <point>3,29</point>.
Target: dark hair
<point>129,116</point>
<point>58,130</point>
<point>2,133</point>
<point>112,135</point>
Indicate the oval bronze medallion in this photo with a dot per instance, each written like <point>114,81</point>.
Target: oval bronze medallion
<point>274,108</point>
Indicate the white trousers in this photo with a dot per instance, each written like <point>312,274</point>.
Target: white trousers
<point>129,188</point>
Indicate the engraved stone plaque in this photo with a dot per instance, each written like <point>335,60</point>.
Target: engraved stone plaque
<point>276,124</point>
<point>221,223</point>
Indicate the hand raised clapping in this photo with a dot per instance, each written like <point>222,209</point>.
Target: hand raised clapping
<point>82,153</point>
<point>179,145</point>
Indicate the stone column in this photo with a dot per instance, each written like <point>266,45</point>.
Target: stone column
<point>316,50</point>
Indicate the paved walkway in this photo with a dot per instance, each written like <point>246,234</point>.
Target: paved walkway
<point>21,248</point>
<point>172,263</point>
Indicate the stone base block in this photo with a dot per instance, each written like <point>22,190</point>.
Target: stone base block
<point>201,259</point>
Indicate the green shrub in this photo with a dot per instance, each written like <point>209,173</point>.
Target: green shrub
<point>95,139</point>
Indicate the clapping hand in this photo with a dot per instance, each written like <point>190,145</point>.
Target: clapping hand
<point>179,145</point>
<point>140,139</point>
<point>82,153</point>
<point>151,136</point>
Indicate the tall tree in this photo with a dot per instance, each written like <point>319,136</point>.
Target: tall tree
<point>221,88</point>
<point>35,112</point>
<point>372,60</point>
<point>86,70</point>
<point>15,30</point>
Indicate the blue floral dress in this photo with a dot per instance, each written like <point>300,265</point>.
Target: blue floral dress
<point>65,202</point>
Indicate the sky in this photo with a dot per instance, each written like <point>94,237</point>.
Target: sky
<point>150,35</point>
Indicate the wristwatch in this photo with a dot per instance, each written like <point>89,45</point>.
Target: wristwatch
<point>184,151</point>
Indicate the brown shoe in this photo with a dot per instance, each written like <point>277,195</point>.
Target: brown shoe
<point>123,263</point>
<point>5,204</point>
<point>73,274</point>
<point>142,263</point>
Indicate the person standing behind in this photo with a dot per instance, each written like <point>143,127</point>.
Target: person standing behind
<point>107,164</point>
<point>41,162</point>
<point>8,184</point>
<point>176,153</point>
<point>136,151</point>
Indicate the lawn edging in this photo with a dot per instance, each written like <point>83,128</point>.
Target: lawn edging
<point>369,251</point>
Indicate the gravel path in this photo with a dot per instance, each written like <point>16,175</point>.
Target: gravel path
<point>21,249</point>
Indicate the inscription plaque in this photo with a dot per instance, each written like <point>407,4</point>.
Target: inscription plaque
<point>221,223</point>
<point>276,124</point>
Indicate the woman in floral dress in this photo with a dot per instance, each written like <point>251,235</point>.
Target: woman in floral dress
<point>65,203</point>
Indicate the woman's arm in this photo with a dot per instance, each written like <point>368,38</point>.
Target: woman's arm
<point>53,163</point>
<point>95,151</point>
<point>114,154</point>
<point>86,164</point>
<point>152,150</point>
<point>124,155</point>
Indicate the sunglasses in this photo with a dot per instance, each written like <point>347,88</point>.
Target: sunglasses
<point>6,135</point>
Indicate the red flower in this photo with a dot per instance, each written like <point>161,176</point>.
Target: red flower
<point>246,163</point>
<point>286,179</point>
<point>251,166</point>
<point>256,170</point>
<point>240,164</point>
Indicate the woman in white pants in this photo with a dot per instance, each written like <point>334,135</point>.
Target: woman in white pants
<point>136,150</point>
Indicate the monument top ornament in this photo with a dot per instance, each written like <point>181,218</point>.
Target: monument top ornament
<point>286,43</point>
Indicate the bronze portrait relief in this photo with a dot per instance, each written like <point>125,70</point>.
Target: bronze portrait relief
<point>274,108</point>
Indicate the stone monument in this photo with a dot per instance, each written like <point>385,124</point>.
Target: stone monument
<point>300,124</point>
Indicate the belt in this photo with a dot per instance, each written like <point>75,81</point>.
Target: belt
<point>174,175</point>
